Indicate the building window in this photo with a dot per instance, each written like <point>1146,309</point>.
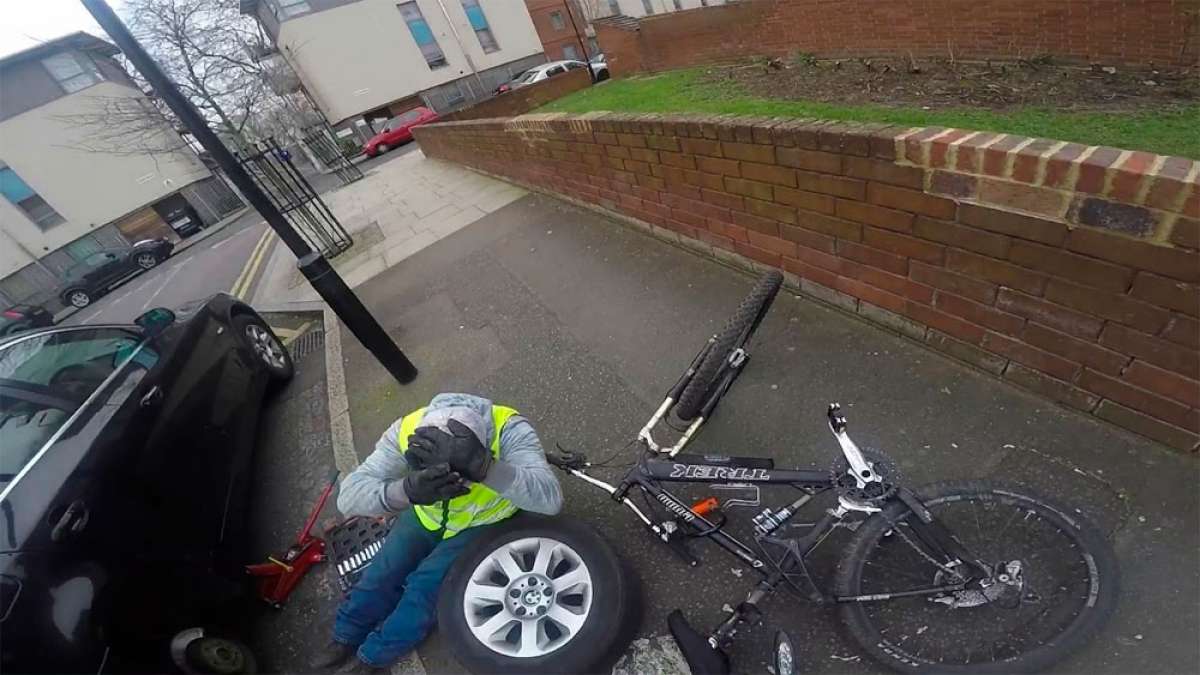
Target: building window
<point>647,6</point>
<point>614,7</point>
<point>678,5</point>
<point>480,25</point>
<point>570,53</point>
<point>23,197</point>
<point>556,20</point>
<point>286,9</point>
<point>72,71</point>
<point>421,34</point>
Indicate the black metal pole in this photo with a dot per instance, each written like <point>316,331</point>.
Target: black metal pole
<point>587,58</point>
<point>313,265</point>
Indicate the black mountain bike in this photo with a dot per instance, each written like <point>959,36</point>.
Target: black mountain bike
<point>964,577</point>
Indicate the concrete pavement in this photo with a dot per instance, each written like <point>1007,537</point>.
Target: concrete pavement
<point>582,323</point>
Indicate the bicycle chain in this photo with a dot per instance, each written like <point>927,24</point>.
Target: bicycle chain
<point>913,545</point>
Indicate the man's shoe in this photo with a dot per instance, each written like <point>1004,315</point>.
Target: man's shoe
<point>357,666</point>
<point>331,655</point>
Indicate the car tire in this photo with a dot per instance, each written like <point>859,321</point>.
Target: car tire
<point>601,591</point>
<point>382,148</point>
<point>602,76</point>
<point>146,260</point>
<point>266,347</point>
<point>78,298</point>
<point>219,656</point>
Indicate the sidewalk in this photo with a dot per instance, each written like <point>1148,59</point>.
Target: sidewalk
<point>582,323</point>
<point>398,209</point>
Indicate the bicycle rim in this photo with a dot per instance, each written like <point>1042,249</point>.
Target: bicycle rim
<point>1007,628</point>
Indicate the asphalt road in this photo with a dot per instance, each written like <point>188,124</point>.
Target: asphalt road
<point>210,266</point>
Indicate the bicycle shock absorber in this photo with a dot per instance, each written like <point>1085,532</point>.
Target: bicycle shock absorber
<point>768,521</point>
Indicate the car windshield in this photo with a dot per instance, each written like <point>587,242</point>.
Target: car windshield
<point>527,76</point>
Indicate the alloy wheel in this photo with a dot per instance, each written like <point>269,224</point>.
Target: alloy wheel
<point>266,346</point>
<point>79,299</point>
<point>529,597</point>
<point>146,260</point>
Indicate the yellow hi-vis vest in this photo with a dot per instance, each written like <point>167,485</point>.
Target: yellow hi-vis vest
<point>482,505</point>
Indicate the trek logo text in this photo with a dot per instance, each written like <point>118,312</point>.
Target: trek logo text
<point>709,472</point>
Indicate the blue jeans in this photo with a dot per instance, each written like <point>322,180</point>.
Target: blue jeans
<point>394,604</point>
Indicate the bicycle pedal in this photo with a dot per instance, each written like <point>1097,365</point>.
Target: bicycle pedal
<point>701,656</point>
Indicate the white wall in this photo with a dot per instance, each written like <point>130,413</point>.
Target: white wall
<point>88,188</point>
<point>361,55</point>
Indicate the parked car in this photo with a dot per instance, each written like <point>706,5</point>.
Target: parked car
<point>24,317</point>
<point>539,74</point>
<point>599,66</point>
<point>123,486</point>
<point>398,130</point>
<point>100,271</point>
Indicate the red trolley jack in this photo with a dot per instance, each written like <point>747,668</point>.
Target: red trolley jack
<point>278,577</point>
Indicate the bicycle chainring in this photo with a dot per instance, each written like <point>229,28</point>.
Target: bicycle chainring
<point>872,493</point>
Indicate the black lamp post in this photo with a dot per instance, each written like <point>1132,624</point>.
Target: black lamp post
<point>313,265</point>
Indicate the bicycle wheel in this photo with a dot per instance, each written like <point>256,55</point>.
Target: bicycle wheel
<point>1062,593</point>
<point>735,334</point>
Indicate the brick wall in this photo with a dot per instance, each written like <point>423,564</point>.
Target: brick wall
<point>554,38</point>
<point>1068,270</point>
<point>523,100</point>
<point>1134,32</point>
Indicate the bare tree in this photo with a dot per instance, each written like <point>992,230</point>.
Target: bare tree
<point>591,10</point>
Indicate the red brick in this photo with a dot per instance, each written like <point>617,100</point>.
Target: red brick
<point>652,183</point>
<point>1033,357</point>
<point>762,255</point>
<point>1182,330</point>
<point>946,323</point>
<point>1079,268</point>
<point>810,201</point>
<point>677,160</point>
<point>1048,313</point>
<point>1021,197</point>
<point>1128,177</point>
<point>1092,170</point>
<point>1169,293</point>
<point>756,223</point>
<point>1050,387</point>
<point>904,245</point>
<point>810,160</point>
<point>711,181</point>
<point>916,144</point>
<point>1119,308</point>
<point>803,237</point>
<point>632,140</point>
<point>889,282</point>
<point>871,294</point>
<point>1154,350</point>
<point>1168,434</point>
<point>700,208</point>
<point>969,156</point>
<point>995,271</point>
<point>806,271</point>
<point>769,173</point>
<point>663,143</point>
<point>774,244</point>
<point>970,238</point>
<point>1172,262</point>
<point>881,171</point>
<point>644,155</point>
<point>875,215</point>
<point>1058,167</point>
<point>747,152</point>
<point>955,283</point>
<point>698,146</point>
<point>995,157</point>
<point>771,210</point>
<point>1087,353</point>
<point>1025,166</point>
<point>729,230</point>
<point>689,191</point>
<point>954,185</point>
<point>1014,224</point>
<point>842,229</point>
<point>715,239</point>
<point>976,313</point>
<point>833,185</point>
<point>1186,232</point>
<point>939,149</point>
<point>605,138</point>
<point>724,167</point>
<point>749,188</point>
<point>815,257</point>
<point>657,209</point>
<point>722,199</point>
<point>1164,382</point>
<point>910,200</point>
<point>873,257</point>
<point>1140,399</point>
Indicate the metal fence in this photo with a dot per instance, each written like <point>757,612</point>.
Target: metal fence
<point>212,198</point>
<point>272,169</point>
<point>327,148</point>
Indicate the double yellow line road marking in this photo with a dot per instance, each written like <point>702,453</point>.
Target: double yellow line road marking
<point>241,287</point>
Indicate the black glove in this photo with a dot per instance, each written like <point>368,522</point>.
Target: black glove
<point>434,484</point>
<point>460,449</point>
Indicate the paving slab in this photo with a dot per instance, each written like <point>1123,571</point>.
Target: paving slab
<point>582,324</point>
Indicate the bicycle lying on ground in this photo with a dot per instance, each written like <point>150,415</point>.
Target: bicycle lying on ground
<point>962,577</point>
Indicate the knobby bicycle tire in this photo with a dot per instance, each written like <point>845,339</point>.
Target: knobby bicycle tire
<point>735,334</point>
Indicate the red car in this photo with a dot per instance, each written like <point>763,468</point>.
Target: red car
<point>398,130</point>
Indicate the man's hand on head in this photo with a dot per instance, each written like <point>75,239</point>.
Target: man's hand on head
<point>460,448</point>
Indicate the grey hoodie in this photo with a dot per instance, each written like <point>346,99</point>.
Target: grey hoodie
<point>521,474</point>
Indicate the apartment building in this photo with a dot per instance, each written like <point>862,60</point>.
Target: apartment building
<point>361,61</point>
<point>65,196</point>
<point>565,26</point>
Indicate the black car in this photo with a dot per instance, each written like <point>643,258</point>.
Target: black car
<point>123,486</point>
<point>24,317</point>
<point>102,270</point>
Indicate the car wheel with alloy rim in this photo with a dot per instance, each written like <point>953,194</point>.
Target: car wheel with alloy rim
<point>79,298</point>
<point>146,260</point>
<point>265,346</point>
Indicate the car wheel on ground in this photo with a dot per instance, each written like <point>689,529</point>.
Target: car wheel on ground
<point>78,298</point>
<point>146,260</point>
<point>538,594</point>
<point>381,148</point>
<point>602,76</point>
<point>266,347</point>
<point>219,655</point>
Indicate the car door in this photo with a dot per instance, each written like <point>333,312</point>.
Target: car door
<point>103,268</point>
<point>66,506</point>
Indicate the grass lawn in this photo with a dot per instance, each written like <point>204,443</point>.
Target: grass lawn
<point>1175,131</point>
